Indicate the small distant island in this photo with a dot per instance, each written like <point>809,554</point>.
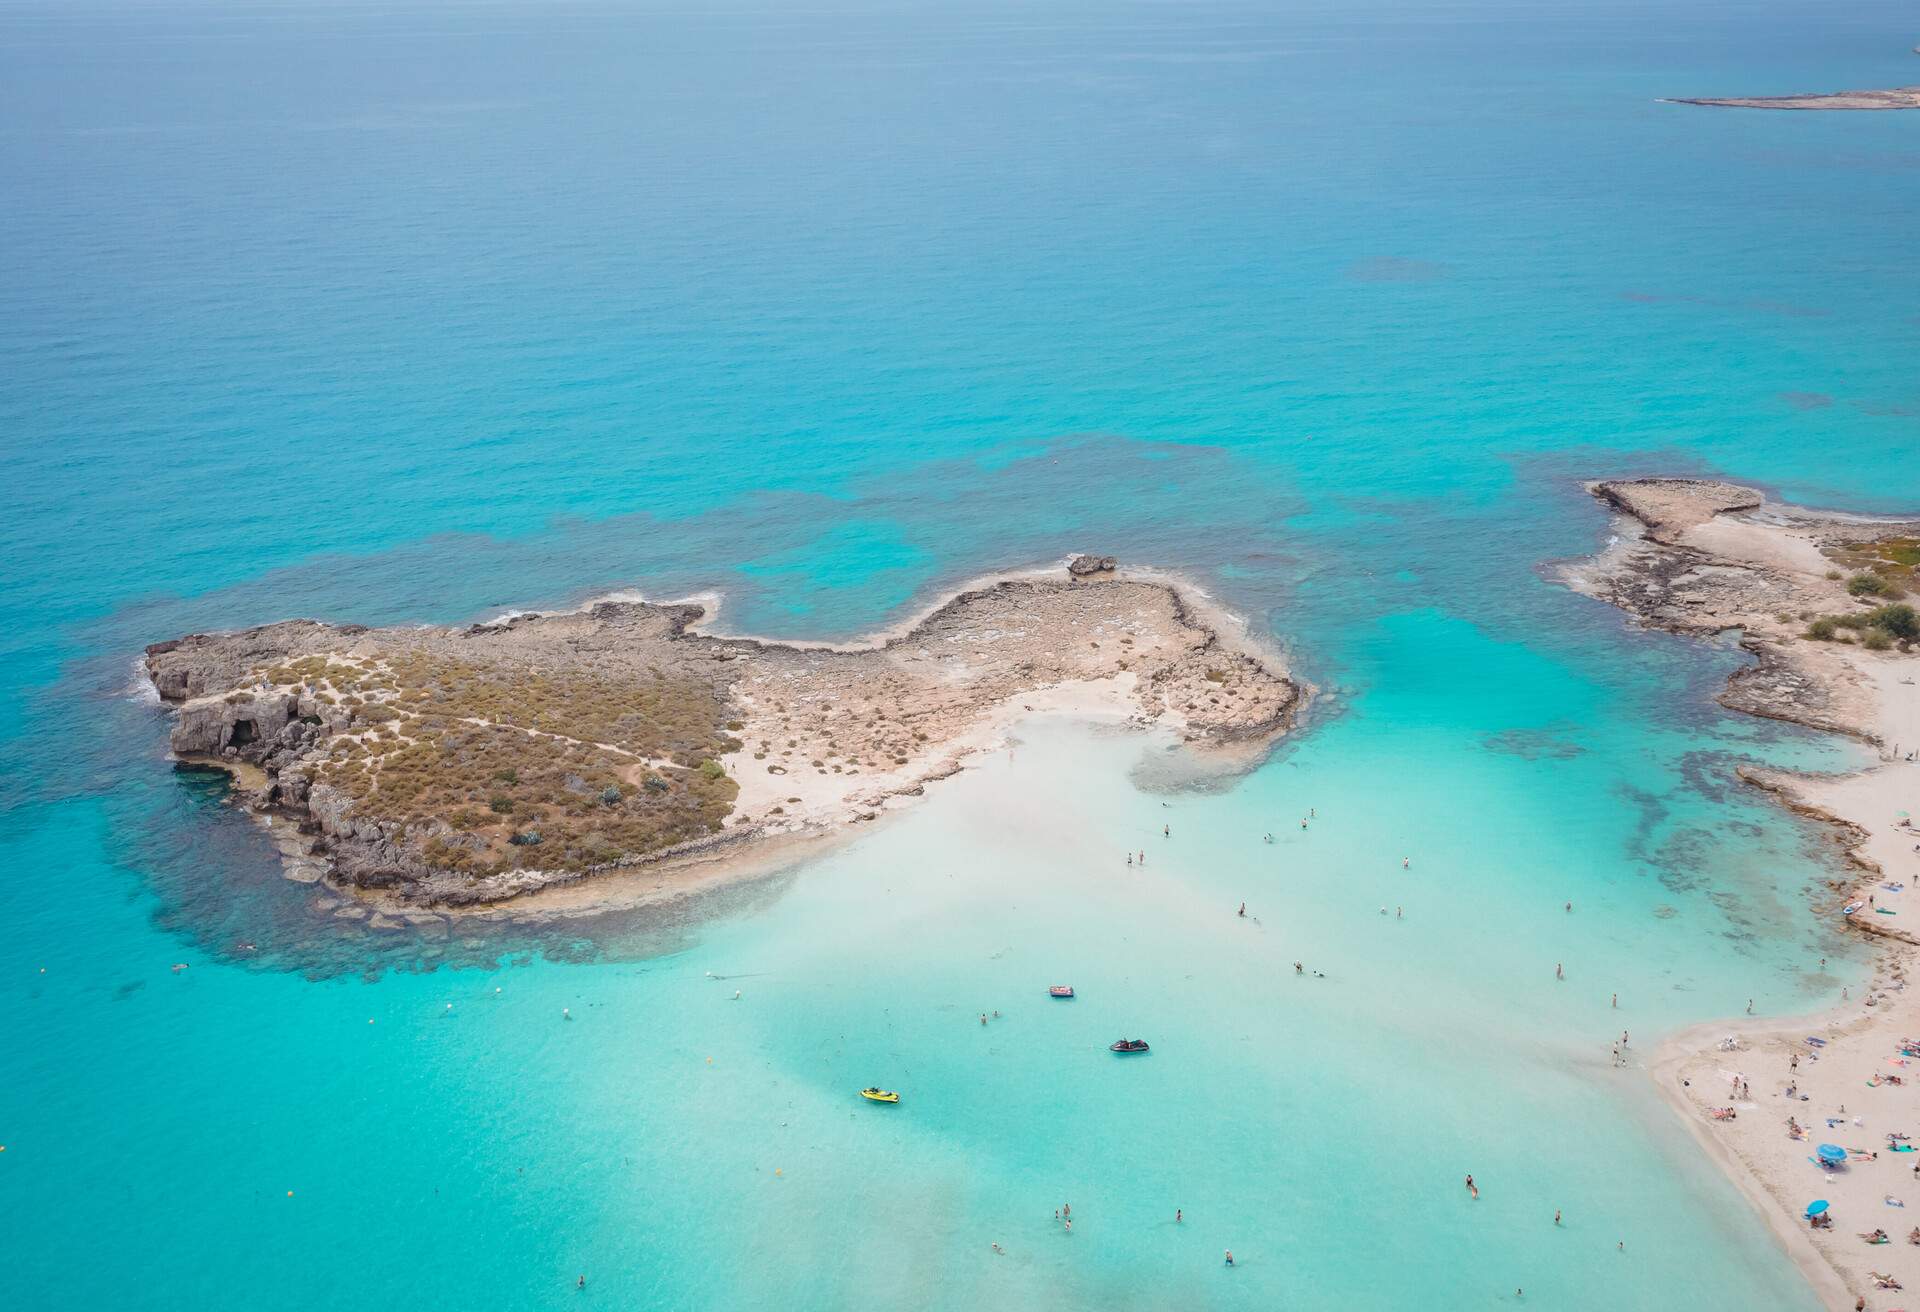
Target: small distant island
<point>1892,98</point>
<point>459,767</point>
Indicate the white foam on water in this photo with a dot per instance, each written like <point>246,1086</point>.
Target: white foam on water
<point>140,688</point>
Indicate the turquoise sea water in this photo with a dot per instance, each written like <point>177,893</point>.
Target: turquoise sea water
<point>392,312</point>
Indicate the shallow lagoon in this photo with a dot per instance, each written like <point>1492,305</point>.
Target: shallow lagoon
<point>1319,1127</point>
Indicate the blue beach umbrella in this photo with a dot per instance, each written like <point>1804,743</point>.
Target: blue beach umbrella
<point>1816,1207</point>
<point>1831,1153</point>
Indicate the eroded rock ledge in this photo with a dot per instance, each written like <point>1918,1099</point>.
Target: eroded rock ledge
<point>458,767</point>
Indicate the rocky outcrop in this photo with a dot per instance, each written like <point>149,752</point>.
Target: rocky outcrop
<point>1669,507</point>
<point>1086,567</point>
<point>1705,558</point>
<point>233,722</point>
<point>202,663</point>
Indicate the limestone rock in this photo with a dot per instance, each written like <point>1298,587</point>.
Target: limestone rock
<point>1082,566</point>
<point>211,725</point>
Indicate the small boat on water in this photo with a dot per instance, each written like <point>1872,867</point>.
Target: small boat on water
<point>1060,991</point>
<point>1129,1045</point>
<point>879,1095</point>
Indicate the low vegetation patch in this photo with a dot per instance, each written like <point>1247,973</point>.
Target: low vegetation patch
<point>494,767</point>
<point>1866,584</point>
<point>1877,629</point>
<point>1890,561</point>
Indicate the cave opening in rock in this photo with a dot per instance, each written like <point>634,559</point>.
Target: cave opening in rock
<point>242,733</point>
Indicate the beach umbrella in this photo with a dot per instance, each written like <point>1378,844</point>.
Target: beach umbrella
<point>1831,1153</point>
<point>1816,1207</point>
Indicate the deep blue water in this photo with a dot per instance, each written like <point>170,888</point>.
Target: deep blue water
<point>414,312</point>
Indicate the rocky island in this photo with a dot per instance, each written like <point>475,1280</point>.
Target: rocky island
<point>1892,98</point>
<point>1824,604</point>
<point>458,767</point>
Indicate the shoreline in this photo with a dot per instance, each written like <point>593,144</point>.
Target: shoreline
<point>1677,1052</point>
<point>1699,559</point>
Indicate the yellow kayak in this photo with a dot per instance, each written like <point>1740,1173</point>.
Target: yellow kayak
<point>879,1095</point>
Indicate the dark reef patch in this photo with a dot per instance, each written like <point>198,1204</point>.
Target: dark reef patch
<point>1544,743</point>
<point>1807,400</point>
